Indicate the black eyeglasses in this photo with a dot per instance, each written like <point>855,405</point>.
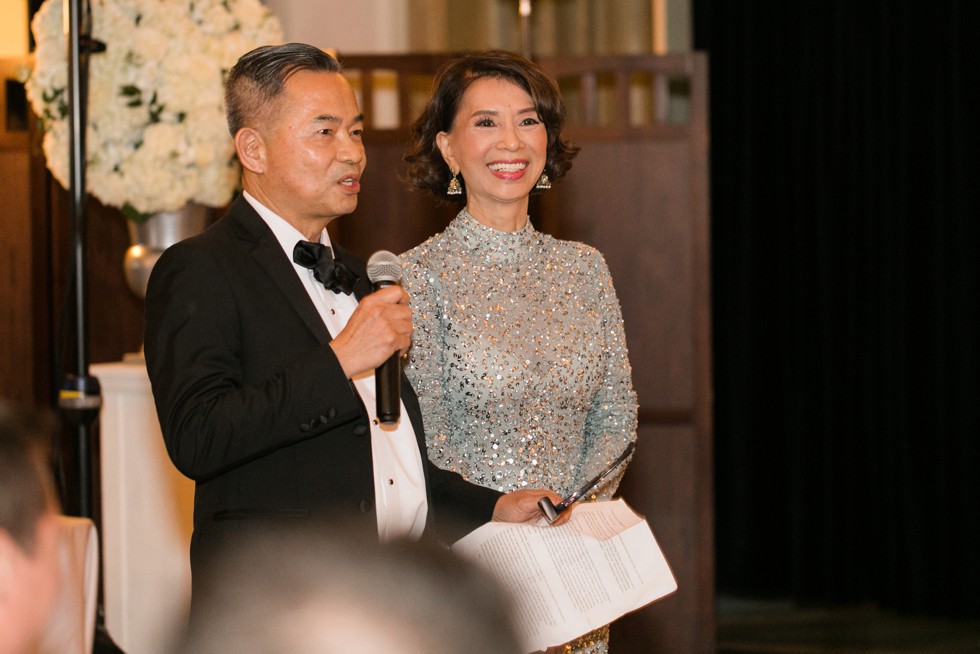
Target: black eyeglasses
<point>551,511</point>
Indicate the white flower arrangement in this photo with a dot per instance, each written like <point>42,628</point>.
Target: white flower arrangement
<point>156,135</point>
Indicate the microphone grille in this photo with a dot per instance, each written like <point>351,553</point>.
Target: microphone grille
<point>383,266</point>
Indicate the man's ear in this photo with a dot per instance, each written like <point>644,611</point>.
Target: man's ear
<point>251,150</point>
<point>446,148</point>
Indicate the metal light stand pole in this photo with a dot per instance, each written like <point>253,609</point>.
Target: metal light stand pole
<point>79,397</point>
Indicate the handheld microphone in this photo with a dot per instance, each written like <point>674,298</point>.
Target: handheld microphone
<point>385,269</point>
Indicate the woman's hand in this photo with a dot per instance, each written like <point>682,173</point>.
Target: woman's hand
<point>522,506</point>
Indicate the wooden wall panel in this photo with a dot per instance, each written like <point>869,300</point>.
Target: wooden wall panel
<point>16,234</point>
<point>115,313</point>
<point>16,283</point>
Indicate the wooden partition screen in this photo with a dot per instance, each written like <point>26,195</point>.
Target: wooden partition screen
<point>638,191</point>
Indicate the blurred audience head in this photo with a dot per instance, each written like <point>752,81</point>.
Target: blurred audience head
<point>306,590</point>
<point>29,564</point>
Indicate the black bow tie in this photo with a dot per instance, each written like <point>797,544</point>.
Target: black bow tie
<point>330,272</point>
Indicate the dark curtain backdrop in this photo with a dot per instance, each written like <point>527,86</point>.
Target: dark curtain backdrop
<point>845,282</point>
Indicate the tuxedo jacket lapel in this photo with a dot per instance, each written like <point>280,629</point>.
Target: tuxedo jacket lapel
<point>268,254</point>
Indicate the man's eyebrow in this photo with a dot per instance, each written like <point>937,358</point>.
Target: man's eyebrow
<point>329,118</point>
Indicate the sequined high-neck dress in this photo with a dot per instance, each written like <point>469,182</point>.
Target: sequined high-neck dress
<point>519,360</point>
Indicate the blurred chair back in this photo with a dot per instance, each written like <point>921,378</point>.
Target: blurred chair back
<point>71,629</point>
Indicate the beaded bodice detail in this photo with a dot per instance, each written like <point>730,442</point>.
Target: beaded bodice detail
<point>519,357</point>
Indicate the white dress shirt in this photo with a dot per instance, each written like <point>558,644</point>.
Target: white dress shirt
<point>399,480</point>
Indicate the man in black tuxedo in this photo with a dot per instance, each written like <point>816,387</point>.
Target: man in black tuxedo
<point>262,376</point>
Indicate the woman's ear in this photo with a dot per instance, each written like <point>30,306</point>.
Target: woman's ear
<point>251,150</point>
<point>445,147</point>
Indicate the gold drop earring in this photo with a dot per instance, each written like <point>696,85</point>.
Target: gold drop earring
<point>455,188</point>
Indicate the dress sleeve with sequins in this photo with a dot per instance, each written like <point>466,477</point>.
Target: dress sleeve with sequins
<point>611,423</point>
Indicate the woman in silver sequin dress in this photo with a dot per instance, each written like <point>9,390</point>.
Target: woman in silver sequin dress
<point>519,356</point>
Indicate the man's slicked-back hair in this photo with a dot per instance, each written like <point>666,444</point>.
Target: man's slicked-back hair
<point>258,78</point>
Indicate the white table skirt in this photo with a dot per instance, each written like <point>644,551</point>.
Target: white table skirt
<point>147,516</point>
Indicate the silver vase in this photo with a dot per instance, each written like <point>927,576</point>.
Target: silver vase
<point>151,237</point>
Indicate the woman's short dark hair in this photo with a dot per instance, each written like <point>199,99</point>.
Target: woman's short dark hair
<point>257,80</point>
<point>427,170</point>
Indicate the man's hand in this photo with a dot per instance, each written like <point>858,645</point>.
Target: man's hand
<point>522,506</point>
<point>380,326</point>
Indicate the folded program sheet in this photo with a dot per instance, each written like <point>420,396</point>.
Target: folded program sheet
<point>568,580</point>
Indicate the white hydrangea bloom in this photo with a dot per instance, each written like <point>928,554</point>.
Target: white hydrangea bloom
<point>156,137</point>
